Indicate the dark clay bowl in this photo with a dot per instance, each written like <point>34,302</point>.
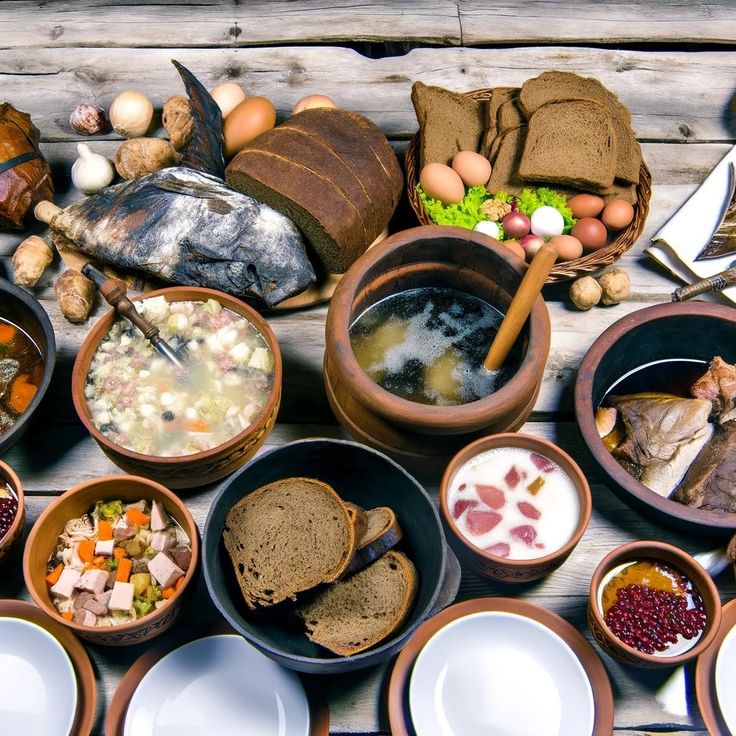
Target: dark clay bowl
<point>420,436</point>
<point>360,475</point>
<point>680,561</point>
<point>23,310</point>
<point>504,569</point>
<point>678,330</point>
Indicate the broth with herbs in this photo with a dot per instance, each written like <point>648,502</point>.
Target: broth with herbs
<point>428,345</point>
<point>21,371</point>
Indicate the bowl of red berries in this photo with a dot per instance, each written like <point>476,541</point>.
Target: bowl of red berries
<point>652,605</point>
<point>12,509</point>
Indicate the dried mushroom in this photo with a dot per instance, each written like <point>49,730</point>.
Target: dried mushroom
<point>75,294</point>
<point>140,156</point>
<point>585,292</point>
<point>30,260</point>
<point>177,119</point>
<point>616,286</point>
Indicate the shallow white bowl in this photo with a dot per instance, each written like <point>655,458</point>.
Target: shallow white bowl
<point>725,679</point>
<point>499,673</point>
<point>38,686</point>
<point>218,685</point>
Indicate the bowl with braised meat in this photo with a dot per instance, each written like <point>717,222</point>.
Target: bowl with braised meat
<point>27,358</point>
<point>113,559</point>
<point>655,401</point>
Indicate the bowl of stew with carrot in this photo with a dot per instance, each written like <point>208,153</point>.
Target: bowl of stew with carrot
<point>27,359</point>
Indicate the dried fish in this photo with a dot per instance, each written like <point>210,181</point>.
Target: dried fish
<point>723,241</point>
<point>190,228</point>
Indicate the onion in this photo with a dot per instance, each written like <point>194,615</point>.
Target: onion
<point>531,244</point>
<point>130,114</point>
<point>516,224</point>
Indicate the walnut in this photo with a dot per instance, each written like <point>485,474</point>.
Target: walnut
<point>495,210</point>
<point>140,156</point>
<point>585,292</point>
<point>177,119</point>
<point>616,286</point>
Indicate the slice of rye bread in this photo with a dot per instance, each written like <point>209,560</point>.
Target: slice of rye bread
<point>363,147</point>
<point>355,614</point>
<point>381,534</point>
<point>316,155</point>
<point>556,86</point>
<point>497,97</point>
<point>287,537</point>
<point>505,173</point>
<point>359,517</point>
<point>448,122</point>
<point>570,143</point>
<point>328,219</point>
<point>510,115</point>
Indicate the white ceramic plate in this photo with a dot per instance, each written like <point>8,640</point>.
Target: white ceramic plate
<point>726,679</point>
<point>502,674</point>
<point>38,690</point>
<point>218,685</point>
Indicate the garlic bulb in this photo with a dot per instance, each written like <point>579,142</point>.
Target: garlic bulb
<point>130,114</point>
<point>91,172</point>
<point>87,119</point>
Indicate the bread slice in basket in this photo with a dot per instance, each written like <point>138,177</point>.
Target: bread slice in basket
<point>287,537</point>
<point>359,612</point>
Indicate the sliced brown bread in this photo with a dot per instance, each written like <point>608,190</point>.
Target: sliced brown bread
<point>359,517</point>
<point>570,143</point>
<point>382,532</point>
<point>359,612</point>
<point>498,96</point>
<point>287,537</point>
<point>509,115</point>
<point>556,86</point>
<point>318,207</point>
<point>448,122</point>
<point>505,174</point>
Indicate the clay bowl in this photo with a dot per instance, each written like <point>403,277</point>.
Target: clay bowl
<point>7,475</point>
<point>680,561</point>
<point>79,500</point>
<point>679,330</point>
<point>419,436</point>
<point>362,476</point>
<point>186,471</point>
<point>24,311</point>
<point>504,569</point>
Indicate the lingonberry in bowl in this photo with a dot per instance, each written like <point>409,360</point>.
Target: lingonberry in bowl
<point>652,605</point>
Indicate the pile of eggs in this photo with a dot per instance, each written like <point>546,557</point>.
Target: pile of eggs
<point>245,118</point>
<point>525,235</point>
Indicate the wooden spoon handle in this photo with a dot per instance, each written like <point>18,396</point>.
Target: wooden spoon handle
<point>520,307</point>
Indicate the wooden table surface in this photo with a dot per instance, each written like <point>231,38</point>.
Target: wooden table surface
<point>671,62</point>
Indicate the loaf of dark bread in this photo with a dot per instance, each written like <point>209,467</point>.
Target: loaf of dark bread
<point>361,611</point>
<point>332,172</point>
<point>448,122</point>
<point>570,143</point>
<point>556,86</point>
<point>287,537</point>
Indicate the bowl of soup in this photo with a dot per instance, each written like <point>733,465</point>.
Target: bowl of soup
<point>407,330</point>
<point>515,506</point>
<point>189,425</point>
<point>27,359</point>
<point>655,401</point>
<point>652,605</point>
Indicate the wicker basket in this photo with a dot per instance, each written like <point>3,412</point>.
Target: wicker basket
<point>564,270</point>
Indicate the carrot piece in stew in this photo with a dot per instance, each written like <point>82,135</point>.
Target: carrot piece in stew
<point>104,530</point>
<point>168,593</point>
<point>124,567</point>
<point>86,550</point>
<point>67,615</point>
<point>136,516</point>
<point>119,552</point>
<point>21,393</point>
<point>53,577</point>
<point>7,333</point>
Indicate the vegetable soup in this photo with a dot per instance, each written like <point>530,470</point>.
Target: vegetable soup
<point>141,402</point>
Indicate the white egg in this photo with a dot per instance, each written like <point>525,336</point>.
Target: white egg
<point>488,228</point>
<point>547,222</point>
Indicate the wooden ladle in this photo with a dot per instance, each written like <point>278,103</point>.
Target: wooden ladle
<point>520,307</point>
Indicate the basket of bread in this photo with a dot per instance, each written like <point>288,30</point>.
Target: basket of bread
<point>555,159</point>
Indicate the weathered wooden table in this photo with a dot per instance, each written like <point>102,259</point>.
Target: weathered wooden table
<point>670,62</point>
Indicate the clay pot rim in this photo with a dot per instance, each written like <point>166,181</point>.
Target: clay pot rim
<point>544,447</point>
<point>687,565</point>
<point>395,408</point>
<point>585,411</point>
<point>103,325</point>
<point>11,477</point>
<point>192,530</point>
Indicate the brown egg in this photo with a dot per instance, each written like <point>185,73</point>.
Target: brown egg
<point>568,247</point>
<point>617,214</point>
<point>590,232</point>
<point>443,183</point>
<point>227,96</point>
<point>249,119</point>
<point>473,169</point>
<point>310,101</point>
<point>514,245</point>
<point>585,205</point>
